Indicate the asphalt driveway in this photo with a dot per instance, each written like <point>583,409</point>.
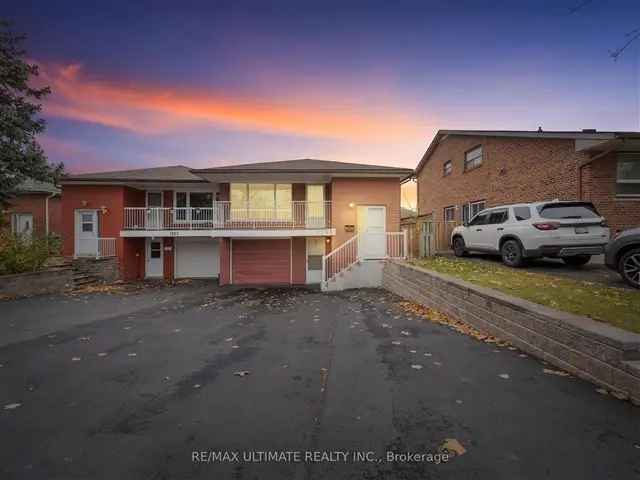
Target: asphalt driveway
<point>130,386</point>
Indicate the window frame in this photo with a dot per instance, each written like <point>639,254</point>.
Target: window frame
<point>444,213</point>
<point>248,207</point>
<point>626,157</point>
<point>467,162</point>
<point>468,208</point>
<point>447,171</point>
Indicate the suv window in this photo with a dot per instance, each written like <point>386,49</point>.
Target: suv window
<point>522,213</point>
<point>498,216</point>
<point>560,211</point>
<point>480,219</point>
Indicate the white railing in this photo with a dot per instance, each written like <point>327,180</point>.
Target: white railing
<point>396,244</point>
<point>106,247</point>
<point>340,259</point>
<point>349,253</point>
<point>230,215</point>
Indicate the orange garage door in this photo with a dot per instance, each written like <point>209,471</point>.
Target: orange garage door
<point>261,261</point>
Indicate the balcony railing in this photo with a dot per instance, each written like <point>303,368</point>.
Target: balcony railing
<point>230,216</point>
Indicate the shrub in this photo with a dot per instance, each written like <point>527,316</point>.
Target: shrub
<point>19,254</point>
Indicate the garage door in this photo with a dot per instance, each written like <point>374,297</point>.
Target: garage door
<point>261,261</point>
<point>197,257</point>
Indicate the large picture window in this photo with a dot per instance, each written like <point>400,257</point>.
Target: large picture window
<point>628,178</point>
<point>261,201</point>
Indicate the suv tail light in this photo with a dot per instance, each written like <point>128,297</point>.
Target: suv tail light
<point>547,226</point>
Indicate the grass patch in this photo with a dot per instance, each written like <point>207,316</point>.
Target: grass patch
<point>616,306</point>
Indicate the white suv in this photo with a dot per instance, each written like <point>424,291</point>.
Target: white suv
<point>572,231</point>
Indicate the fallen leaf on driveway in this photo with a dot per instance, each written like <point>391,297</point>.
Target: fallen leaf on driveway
<point>412,351</point>
<point>12,406</point>
<point>395,342</point>
<point>453,446</point>
<point>102,354</point>
<point>241,373</point>
<point>459,402</point>
<point>602,391</point>
<point>84,339</point>
<point>559,373</point>
<point>522,355</point>
<point>416,367</point>
<point>177,330</point>
<point>427,354</point>
<point>75,359</point>
<point>437,364</point>
<point>133,354</point>
<point>504,375</point>
<point>197,385</point>
<point>405,333</point>
<point>235,346</point>
<point>228,339</point>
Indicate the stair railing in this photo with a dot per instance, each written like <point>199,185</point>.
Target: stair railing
<point>340,259</point>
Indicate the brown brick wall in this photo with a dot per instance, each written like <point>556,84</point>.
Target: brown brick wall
<point>518,170</point>
<point>599,186</point>
<point>34,203</point>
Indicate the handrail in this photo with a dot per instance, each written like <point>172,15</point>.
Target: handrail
<point>296,214</point>
<point>340,258</point>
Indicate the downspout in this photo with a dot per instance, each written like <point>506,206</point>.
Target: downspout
<point>46,213</point>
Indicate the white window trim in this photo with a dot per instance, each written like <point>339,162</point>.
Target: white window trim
<point>444,213</point>
<point>146,197</point>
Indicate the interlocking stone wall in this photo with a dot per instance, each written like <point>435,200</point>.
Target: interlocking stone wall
<point>595,351</point>
<point>103,269</point>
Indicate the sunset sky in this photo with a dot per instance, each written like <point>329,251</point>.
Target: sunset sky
<point>212,83</point>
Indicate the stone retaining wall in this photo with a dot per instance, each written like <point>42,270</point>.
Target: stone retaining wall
<point>53,280</point>
<point>595,351</point>
<point>102,269</point>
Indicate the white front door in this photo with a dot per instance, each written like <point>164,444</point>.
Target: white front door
<point>315,251</point>
<point>154,258</point>
<point>86,233</point>
<point>372,231</point>
<point>23,225</point>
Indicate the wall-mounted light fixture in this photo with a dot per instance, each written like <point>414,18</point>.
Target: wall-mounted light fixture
<point>104,210</point>
<point>351,204</point>
<point>84,203</point>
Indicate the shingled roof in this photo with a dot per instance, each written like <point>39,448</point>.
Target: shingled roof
<point>311,165</point>
<point>175,173</point>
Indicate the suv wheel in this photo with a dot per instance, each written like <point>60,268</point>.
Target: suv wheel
<point>512,255</point>
<point>577,260</point>
<point>458,247</point>
<point>629,267</point>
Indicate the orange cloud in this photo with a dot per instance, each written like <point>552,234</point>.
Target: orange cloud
<point>149,109</point>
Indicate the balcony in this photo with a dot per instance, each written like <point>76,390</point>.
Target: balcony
<point>296,215</point>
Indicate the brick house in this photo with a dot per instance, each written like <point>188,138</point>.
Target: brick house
<point>465,171</point>
<point>35,210</point>
<point>261,223</point>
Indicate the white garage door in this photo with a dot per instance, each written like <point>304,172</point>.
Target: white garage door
<point>197,257</point>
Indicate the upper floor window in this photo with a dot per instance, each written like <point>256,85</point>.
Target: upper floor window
<point>261,200</point>
<point>449,214</point>
<point>473,158</point>
<point>447,168</point>
<point>628,178</point>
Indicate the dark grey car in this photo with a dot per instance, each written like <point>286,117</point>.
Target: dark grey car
<point>623,254</point>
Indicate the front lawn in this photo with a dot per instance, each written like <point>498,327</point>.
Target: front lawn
<point>616,306</point>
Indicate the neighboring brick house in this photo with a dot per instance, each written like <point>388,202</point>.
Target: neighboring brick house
<point>464,171</point>
<point>35,210</point>
<point>261,223</point>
